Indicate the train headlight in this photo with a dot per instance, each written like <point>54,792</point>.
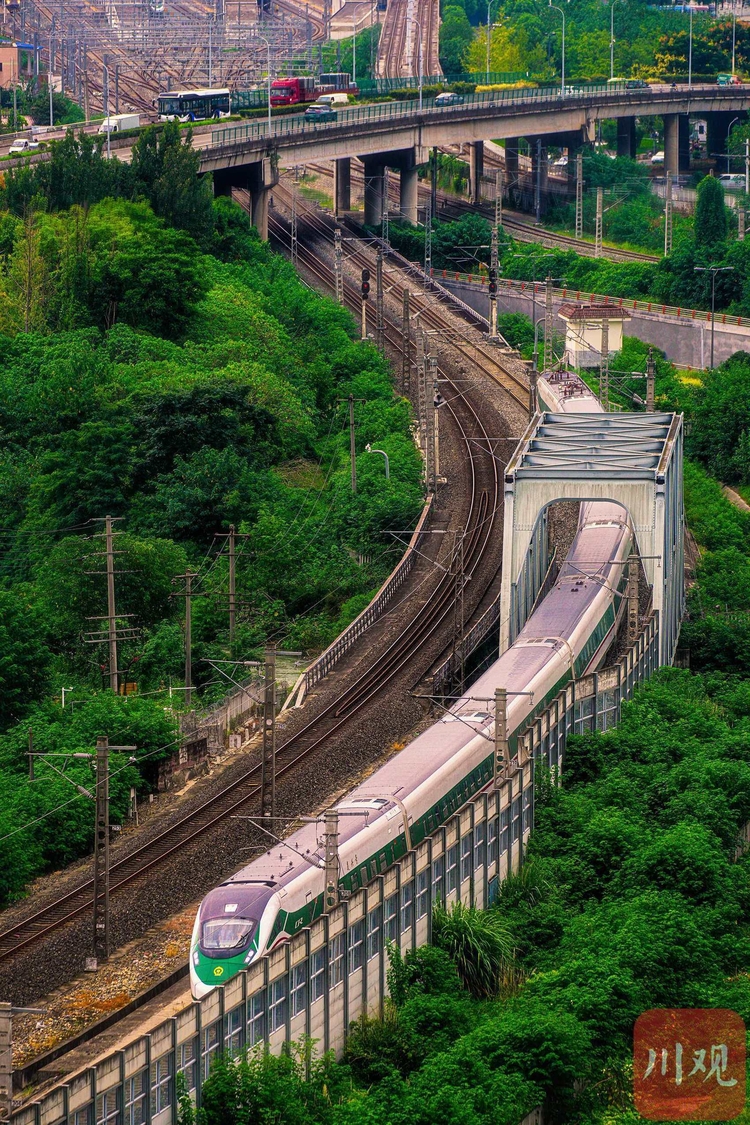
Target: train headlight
<point>249,957</point>
<point>195,956</point>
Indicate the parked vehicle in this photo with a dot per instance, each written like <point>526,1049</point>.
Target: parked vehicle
<point>636,84</point>
<point>657,158</point>
<point>316,113</point>
<point>732,181</point>
<point>23,144</point>
<point>119,122</point>
<point>449,98</point>
<point>293,91</point>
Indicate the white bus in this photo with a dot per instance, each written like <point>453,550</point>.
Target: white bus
<point>193,105</point>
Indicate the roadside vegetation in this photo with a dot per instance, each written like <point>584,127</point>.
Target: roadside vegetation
<point>159,364</point>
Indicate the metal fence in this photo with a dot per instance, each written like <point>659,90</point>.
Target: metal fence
<point>334,971</point>
<point>325,662</point>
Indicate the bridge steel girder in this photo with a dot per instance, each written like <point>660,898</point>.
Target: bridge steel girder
<point>634,460</point>
<point>435,127</point>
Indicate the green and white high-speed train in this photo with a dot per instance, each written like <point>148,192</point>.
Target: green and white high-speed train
<point>425,784</point>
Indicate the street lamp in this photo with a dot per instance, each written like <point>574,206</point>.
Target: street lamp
<point>734,32</point>
<point>369,449</point>
<point>713,270</point>
<point>105,68</point>
<point>690,51</point>
<point>562,79</point>
<point>729,130</point>
<point>268,49</point>
<point>410,19</point>
<point>354,47</point>
<point>612,37</point>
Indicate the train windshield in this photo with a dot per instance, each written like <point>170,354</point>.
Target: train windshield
<point>227,933</point>
<point>283,91</point>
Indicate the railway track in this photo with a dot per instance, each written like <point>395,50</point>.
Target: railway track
<point>480,532</point>
<point>406,23</point>
<point>514,222</point>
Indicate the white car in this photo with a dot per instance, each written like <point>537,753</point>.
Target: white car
<point>657,158</point>
<point>21,146</point>
<point>561,162</point>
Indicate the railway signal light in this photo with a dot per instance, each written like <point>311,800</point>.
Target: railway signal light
<point>493,283</point>
<point>365,284</point>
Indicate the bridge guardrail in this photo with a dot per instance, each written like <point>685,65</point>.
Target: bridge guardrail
<point>386,111</point>
<point>567,294</point>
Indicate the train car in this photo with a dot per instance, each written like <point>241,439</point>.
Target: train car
<point>419,789</point>
<point>293,91</point>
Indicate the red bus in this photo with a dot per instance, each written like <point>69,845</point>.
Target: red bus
<point>291,91</point>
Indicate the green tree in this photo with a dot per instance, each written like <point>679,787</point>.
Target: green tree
<point>24,657</point>
<point>480,946</point>
<point>710,214</point>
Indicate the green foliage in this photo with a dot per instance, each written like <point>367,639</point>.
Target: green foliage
<point>24,657</point>
<point>710,213</point>
<point>479,944</point>
<point>720,416</point>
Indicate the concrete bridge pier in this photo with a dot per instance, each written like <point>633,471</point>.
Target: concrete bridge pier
<point>476,170</point>
<point>539,170</point>
<point>342,185</point>
<point>257,178</point>
<point>626,145</point>
<point>374,191</point>
<point>676,143</point>
<point>408,188</point>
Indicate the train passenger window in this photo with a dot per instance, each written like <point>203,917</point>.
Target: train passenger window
<point>479,846</point>
<point>278,991</point>
<point>256,1018</point>
<point>135,1094</point>
<point>438,879</point>
<point>504,830</point>
<point>515,819</point>
<point>210,1044</point>
<point>234,1031</point>
<point>298,988</point>
<point>465,858</point>
<point>161,1083</point>
<point>374,927</point>
<point>317,974</point>
<point>186,1059</point>
<point>423,893</point>
<point>407,906</point>
<point>452,868</point>
<point>108,1108</point>
<point>356,945</point>
<point>492,840</point>
<point>336,964</point>
<point>390,923</point>
<point>527,809</point>
<point>493,889</point>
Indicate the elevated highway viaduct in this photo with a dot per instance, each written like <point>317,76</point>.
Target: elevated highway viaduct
<point>398,135</point>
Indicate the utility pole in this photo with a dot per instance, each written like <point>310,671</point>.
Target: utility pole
<point>406,343</point>
<point>101,856</point>
<point>632,599</point>
<point>604,365</point>
<point>650,381</point>
<point>747,165</point>
<point>498,205</point>
<point>294,244</point>
<point>459,619</point>
<point>331,840</point>
<point>501,736</point>
<point>365,293</point>
<point>427,241</point>
<point>268,763</point>
<point>741,223</point>
<point>352,444</point>
<point>232,588</point>
<point>548,323</point>
<point>599,215</point>
<point>579,195</point>
<point>668,214</point>
<point>379,327</point>
<point>111,618</point>
<point>433,180</point>
<point>385,229</point>
<point>7,1011</point>
<point>433,422</point>
<point>188,595</point>
<point>31,754</point>
<point>538,183</point>
<point>422,389</point>
<point>338,265</point>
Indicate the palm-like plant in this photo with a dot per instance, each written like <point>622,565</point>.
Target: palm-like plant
<point>479,944</point>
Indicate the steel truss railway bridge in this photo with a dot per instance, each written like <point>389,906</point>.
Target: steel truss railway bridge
<point>399,136</point>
